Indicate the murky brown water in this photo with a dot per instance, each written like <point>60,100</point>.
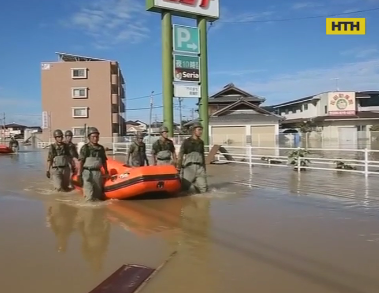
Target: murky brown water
<point>274,236</point>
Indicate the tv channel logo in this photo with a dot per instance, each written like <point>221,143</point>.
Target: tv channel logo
<point>346,26</point>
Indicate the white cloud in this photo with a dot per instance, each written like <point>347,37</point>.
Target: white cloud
<point>10,102</point>
<point>356,76</point>
<point>111,22</point>
<point>360,52</point>
<point>305,5</point>
<point>242,72</point>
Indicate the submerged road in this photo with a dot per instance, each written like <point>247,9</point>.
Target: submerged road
<point>269,231</point>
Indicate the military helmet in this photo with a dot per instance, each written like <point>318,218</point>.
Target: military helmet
<point>163,129</point>
<point>57,133</point>
<point>68,133</point>
<point>93,130</point>
<point>196,125</point>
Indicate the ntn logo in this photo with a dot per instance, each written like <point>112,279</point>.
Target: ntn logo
<point>201,3</point>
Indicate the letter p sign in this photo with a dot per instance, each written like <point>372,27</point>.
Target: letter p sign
<point>183,36</point>
<point>186,39</point>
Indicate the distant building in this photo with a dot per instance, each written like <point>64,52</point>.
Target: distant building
<point>136,126</point>
<point>335,115</point>
<point>237,118</point>
<point>80,91</point>
<point>132,127</point>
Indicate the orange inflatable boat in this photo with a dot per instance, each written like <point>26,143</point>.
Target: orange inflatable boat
<point>127,182</point>
<point>5,150</point>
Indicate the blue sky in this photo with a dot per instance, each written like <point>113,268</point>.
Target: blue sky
<point>277,60</point>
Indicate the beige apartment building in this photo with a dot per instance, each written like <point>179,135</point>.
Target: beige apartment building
<point>80,91</point>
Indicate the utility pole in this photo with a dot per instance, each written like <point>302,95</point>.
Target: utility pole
<point>336,79</point>
<point>180,100</point>
<point>3,125</point>
<point>151,113</point>
<point>192,114</point>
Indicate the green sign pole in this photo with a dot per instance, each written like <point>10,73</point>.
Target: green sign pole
<point>167,72</point>
<point>203,105</point>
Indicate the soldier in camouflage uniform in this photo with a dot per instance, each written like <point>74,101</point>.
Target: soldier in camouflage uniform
<point>68,140</point>
<point>59,160</point>
<point>191,161</point>
<point>137,153</point>
<point>163,149</point>
<point>92,158</point>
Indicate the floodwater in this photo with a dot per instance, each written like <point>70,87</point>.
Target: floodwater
<point>269,231</point>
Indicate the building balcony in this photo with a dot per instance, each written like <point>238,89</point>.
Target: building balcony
<point>115,118</point>
<point>114,99</point>
<point>114,79</point>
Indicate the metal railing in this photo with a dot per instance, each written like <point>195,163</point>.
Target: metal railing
<point>320,159</point>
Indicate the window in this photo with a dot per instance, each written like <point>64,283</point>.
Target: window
<point>80,93</point>
<point>326,109</point>
<point>80,112</point>
<point>78,73</point>
<point>78,131</point>
<point>305,107</point>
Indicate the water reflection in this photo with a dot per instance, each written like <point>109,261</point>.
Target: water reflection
<point>91,223</point>
<point>194,260</point>
<point>61,220</point>
<point>95,231</point>
<point>146,218</point>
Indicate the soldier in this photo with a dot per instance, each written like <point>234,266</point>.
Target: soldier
<point>68,140</point>
<point>163,149</point>
<point>191,161</point>
<point>13,144</point>
<point>92,158</point>
<point>59,159</point>
<point>137,152</point>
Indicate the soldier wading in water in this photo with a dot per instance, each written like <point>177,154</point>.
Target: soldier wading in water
<point>92,158</point>
<point>191,161</point>
<point>163,150</point>
<point>68,135</point>
<point>58,162</point>
<point>137,153</point>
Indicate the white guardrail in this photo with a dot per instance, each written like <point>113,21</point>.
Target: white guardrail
<point>326,160</point>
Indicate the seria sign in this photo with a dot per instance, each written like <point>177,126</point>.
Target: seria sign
<point>186,68</point>
<point>210,9</point>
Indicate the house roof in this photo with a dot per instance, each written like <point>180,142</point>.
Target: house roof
<point>297,101</point>
<point>241,118</point>
<point>261,116</point>
<point>140,122</point>
<point>246,103</point>
<point>157,124</point>
<point>359,115</point>
<point>224,96</point>
<point>314,97</point>
<point>15,125</point>
<point>131,122</point>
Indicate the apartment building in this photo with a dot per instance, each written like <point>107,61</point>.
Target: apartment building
<point>80,91</point>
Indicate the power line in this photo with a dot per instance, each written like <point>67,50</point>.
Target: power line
<point>143,97</point>
<point>148,108</point>
<point>298,18</point>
